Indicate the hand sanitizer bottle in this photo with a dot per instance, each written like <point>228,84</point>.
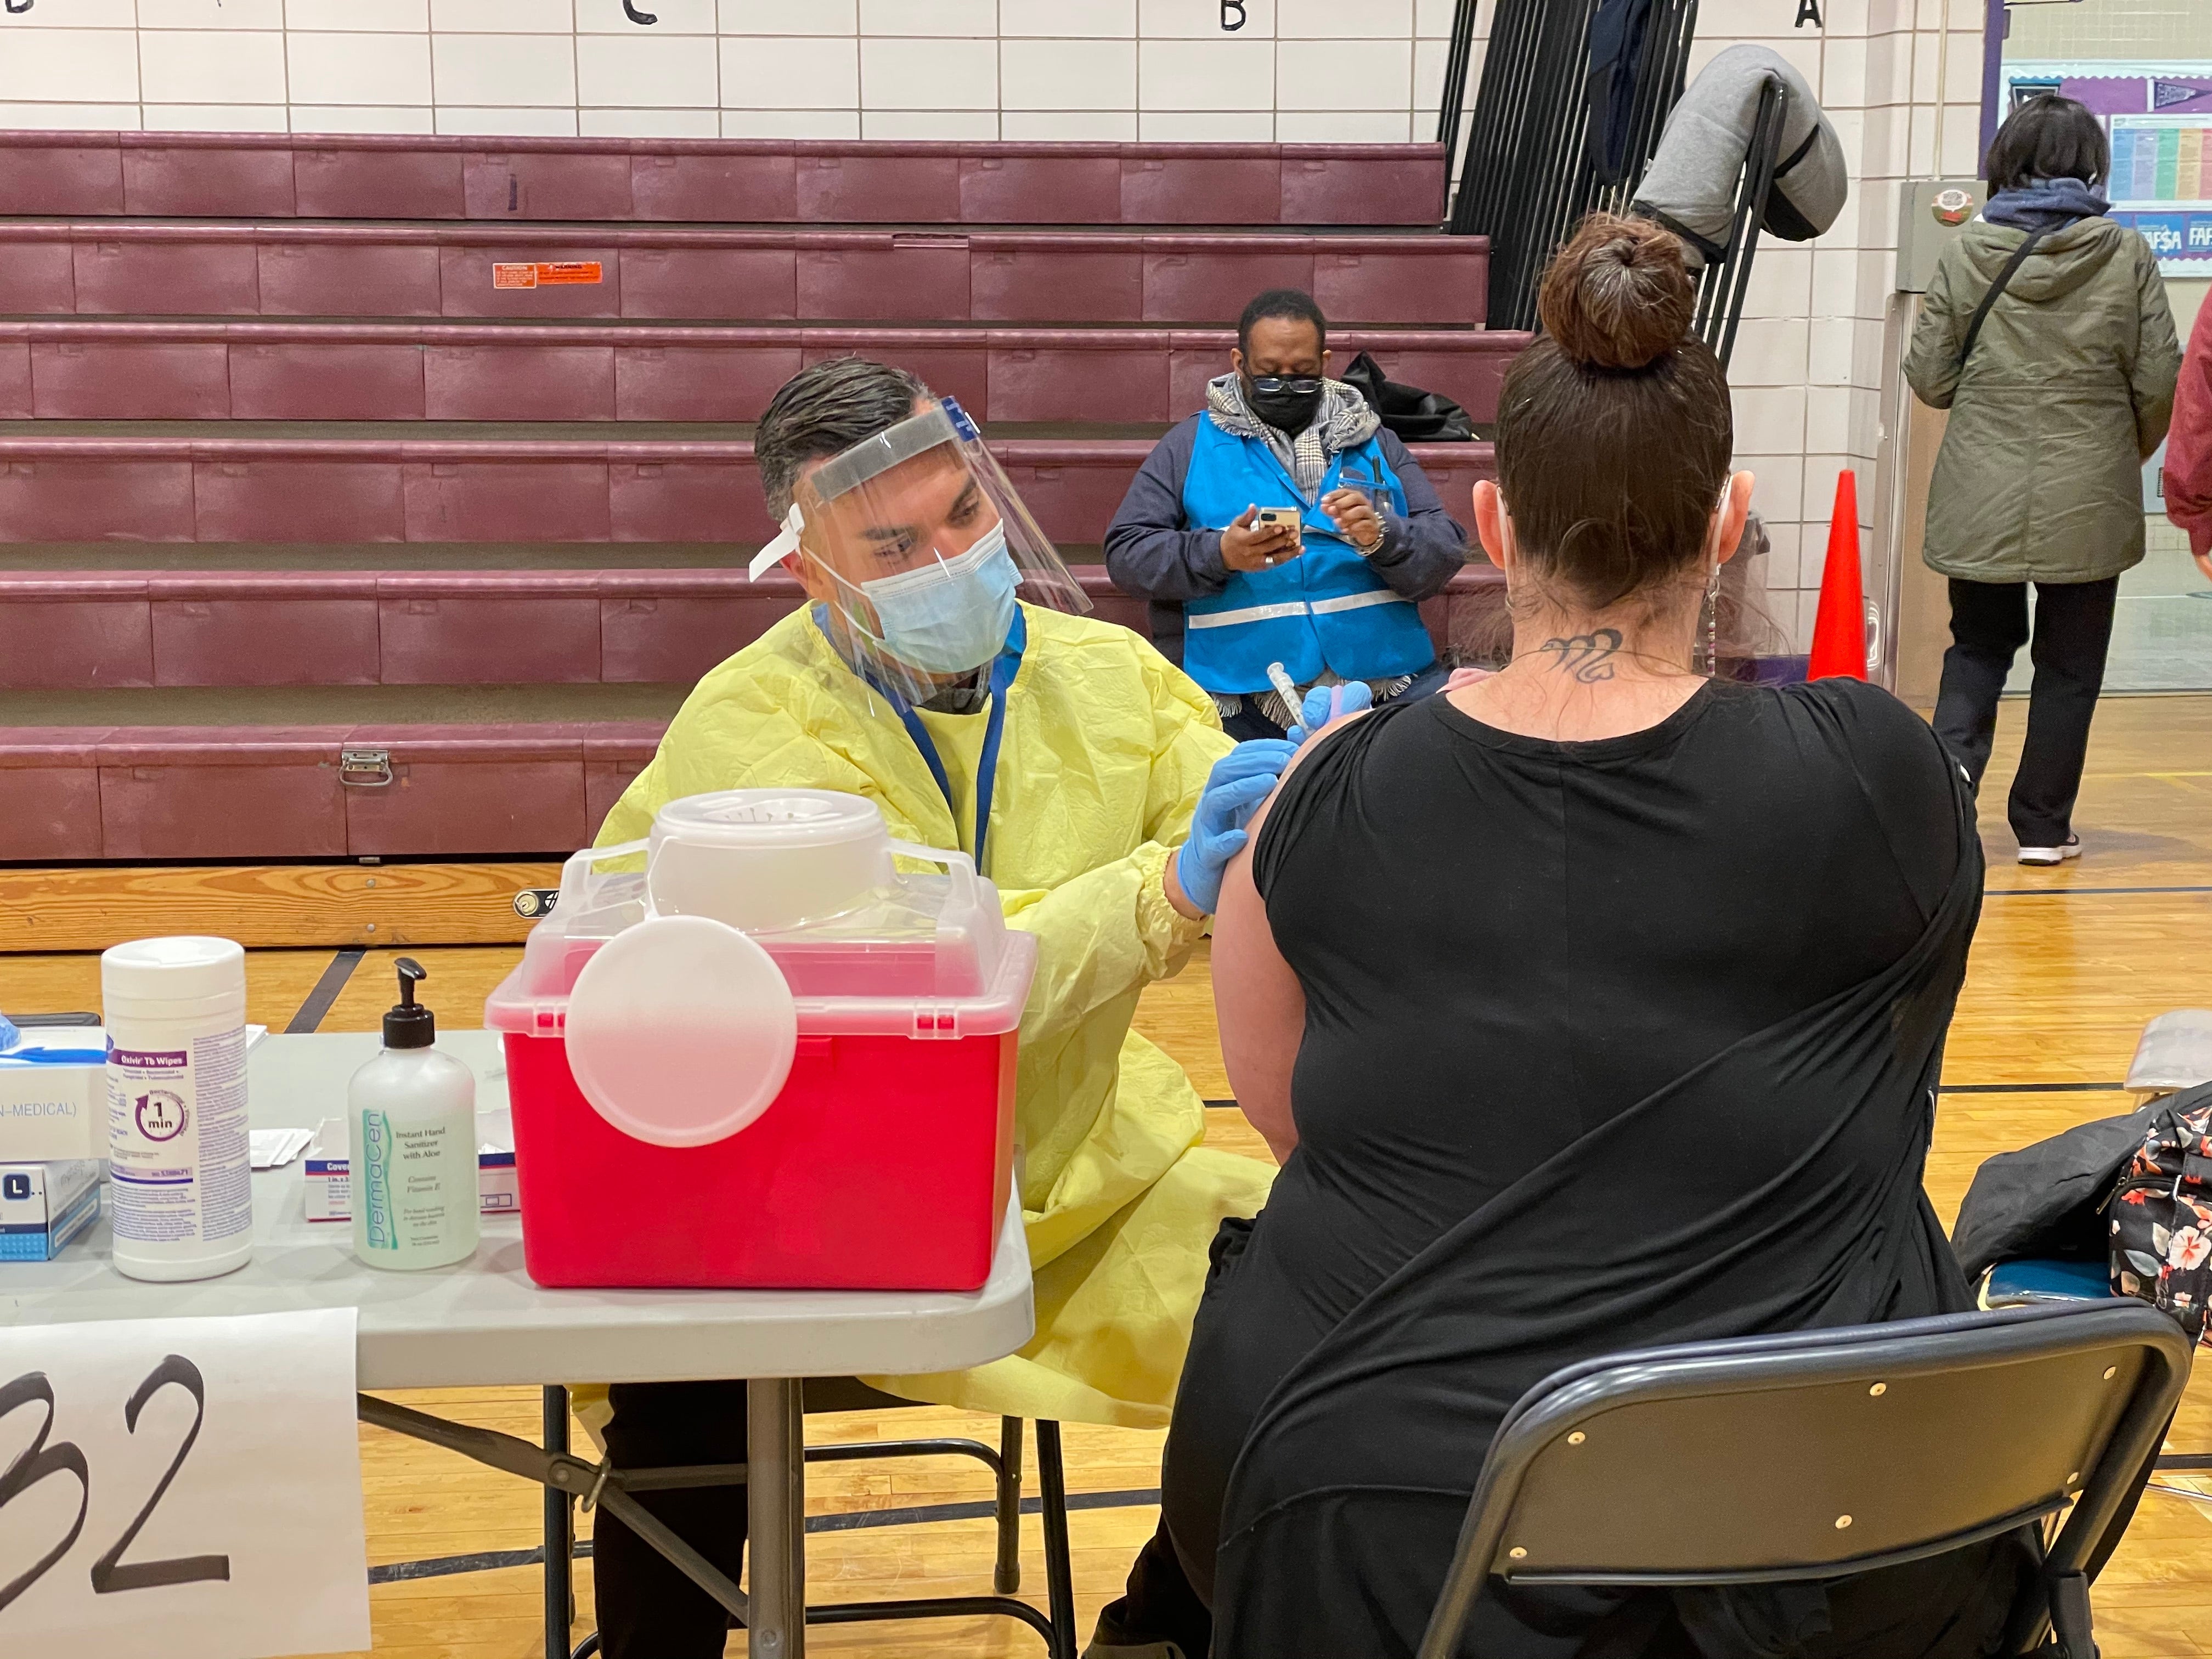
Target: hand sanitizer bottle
<point>411,1113</point>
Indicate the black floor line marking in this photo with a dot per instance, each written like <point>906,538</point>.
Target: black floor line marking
<point>327,990</point>
<point>2031,1088</point>
<point>2053,893</point>
<point>445,1567</point>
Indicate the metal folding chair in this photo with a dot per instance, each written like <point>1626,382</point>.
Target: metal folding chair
<point>1819,1453</point>
<point>845,1394</point>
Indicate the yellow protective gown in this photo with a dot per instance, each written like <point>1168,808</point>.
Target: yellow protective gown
<point>1105,749</point>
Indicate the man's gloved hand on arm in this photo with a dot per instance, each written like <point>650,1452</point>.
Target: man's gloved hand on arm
<point>1240,780</point>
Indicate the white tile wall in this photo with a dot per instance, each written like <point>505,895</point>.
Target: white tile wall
<point>789,16</point>
<point>1107,18</point>
<point>929,74</point>
<point>791,123</point>
<point>1057,75</point>
<point>363,118</point>
<point>1344,74</point>
<point>69,118</point>
<point>1085,125</point>
<point>85,14</point>
<point>771,72</point>
<point>332,68</point>
<point>677,17</point>
<point>944,124</point>
<point>1808,360</point>
<point>505,70</point>
<point>973,18</point>
<point>392,17</point>
<point>97,65</point>
<point>509,121</point>
<point>217,118</point>
<point>649,123</point>
<point>210,13</point>
<point>1201,20</point>
<point>1236,74</point>
<point>640,71</point>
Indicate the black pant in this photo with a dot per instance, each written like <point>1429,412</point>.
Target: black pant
<point>1989,624</point>
<point>648,1609</point>
<point>1159,1604</point>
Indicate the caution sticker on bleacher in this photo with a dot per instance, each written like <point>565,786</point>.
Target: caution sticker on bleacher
<point>545,274</point>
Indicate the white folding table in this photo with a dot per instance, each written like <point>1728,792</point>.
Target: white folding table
<point>484,1323</point>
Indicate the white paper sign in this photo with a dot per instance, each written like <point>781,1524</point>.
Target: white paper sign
<point>185,1487</point>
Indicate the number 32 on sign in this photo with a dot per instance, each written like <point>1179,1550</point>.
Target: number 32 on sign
<point>185,1487</point>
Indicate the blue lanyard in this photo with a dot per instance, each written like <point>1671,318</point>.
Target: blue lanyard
<point>1003,671</point>
<point>1008,664</point>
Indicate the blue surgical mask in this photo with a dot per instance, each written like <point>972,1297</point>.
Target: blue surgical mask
<point>952,615</point>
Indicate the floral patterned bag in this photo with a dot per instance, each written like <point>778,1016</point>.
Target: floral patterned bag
<point>2160,1216</point>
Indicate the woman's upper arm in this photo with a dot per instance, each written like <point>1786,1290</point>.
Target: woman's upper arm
<point>1258,1001</point>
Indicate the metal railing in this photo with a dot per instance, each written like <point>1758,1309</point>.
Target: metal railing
<point>1531,167</point>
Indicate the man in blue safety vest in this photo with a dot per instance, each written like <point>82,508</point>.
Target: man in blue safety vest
<point>1285,525</point>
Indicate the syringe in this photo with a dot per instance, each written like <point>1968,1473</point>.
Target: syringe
<point>1279,677</point>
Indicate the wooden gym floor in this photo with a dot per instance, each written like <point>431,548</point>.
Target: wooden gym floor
<point>2068,965</point>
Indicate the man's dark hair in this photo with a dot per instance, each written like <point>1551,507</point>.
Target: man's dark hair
<point>824,410</point>
<point>2048,137</point>
<point>1290,304</point>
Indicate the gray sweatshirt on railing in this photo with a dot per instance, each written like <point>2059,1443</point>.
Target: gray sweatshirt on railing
<point>1153,553</point>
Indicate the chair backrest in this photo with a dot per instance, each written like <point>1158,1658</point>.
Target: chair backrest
<point>1820,1452</point>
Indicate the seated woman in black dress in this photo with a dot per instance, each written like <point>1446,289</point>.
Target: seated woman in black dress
<point>1592,1006</point>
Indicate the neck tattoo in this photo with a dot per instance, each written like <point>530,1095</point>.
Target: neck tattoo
<point>1588,657</point>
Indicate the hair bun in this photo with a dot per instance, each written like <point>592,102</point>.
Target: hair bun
<point>1616,295</point>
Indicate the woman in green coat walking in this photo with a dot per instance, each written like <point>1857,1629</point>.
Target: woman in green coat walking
<point>2047,335</point>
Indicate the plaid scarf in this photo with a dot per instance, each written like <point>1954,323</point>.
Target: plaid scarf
<point>1343,421</point>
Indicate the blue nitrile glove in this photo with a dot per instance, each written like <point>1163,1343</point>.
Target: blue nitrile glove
<point>7,1033</point>
<point>1240,780</point>
<point>1324,703</point>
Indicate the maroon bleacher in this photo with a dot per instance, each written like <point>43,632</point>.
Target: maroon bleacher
<point>164,290</point>
<point>286,269</point>
<point>294,490</point>
<point>80,370</point>
<point>727,181</point>
<point>146,793</point>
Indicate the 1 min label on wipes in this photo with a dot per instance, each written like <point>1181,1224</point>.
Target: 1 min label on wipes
<point>177,1147</point>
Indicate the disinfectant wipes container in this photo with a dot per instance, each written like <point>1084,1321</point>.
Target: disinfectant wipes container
<point>749,1052</point>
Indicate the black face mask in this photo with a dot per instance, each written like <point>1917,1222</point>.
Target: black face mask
<point>1285,410</point>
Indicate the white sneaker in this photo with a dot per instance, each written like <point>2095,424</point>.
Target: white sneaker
<point>2049,856</point>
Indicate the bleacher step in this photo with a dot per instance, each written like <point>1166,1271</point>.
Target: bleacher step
<point>145,268</point>
<point>89,369</point>
<point>307,490</point>
<point>345,176</point>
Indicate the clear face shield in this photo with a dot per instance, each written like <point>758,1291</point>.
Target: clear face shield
<point>920,547</point>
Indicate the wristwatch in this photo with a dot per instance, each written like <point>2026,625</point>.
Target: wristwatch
<point>1382,535</point>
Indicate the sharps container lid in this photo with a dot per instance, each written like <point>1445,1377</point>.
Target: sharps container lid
<point>771,817</point>
<point>179,977</point>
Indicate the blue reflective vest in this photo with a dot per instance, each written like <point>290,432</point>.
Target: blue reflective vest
<point>1325,609</point>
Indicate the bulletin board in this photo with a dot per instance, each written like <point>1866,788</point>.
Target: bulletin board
<point>2159,117</point>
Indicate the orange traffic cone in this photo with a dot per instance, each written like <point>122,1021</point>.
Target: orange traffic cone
<point>1839,627</point>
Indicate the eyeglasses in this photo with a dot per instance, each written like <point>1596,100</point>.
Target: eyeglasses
<point>1298,385</point>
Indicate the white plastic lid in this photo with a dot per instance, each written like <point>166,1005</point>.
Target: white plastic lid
<point>681,1030</point>
<point>761,818</point>
<point>185,969</point>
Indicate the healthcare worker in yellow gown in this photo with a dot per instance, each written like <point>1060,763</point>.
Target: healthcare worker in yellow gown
<point>1071,758</point>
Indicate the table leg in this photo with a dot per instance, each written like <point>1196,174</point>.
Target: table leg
<point>776,1500</point>
<point>559,1534</point>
